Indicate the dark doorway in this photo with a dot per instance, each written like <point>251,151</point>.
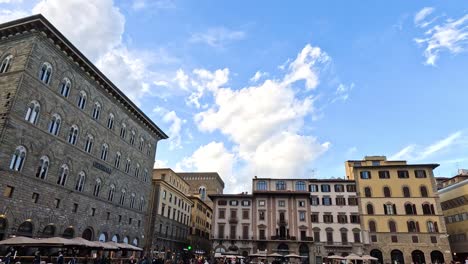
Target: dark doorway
<point>397,257</point>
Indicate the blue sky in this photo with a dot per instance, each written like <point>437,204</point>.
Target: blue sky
<point>282,90</point>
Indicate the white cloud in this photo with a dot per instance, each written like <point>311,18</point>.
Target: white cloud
<point>422,14</point>
<point>413,152</point>
<point>342,92</point>
<point>451,35</point>
<point>174,129</point>
<point>94,27</point>
<point>258,75</point>
<point>204,80</point>
<point>8,15</point>
<point>158,164</point>
<point>10,1</point>
<point>152,4</point>
<point>217,37</point>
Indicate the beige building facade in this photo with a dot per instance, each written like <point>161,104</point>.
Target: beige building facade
<point>200,226</point>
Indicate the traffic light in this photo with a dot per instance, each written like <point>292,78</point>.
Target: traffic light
<point>189,248</point>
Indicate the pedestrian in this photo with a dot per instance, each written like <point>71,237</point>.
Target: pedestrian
<point>37,257</point>
<point>60,258</point>
<point>9,255</point>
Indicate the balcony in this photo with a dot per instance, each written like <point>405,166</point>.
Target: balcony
<point>283,238</point>
<point>282,222</point>
<point>233,220</point>
<point>338,244</point>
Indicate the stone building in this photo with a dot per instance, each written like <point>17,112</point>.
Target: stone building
<point>75,153</point>
<point>200,226</point>
<point>401,210</point>
<point>204,184</point>
<point>454,203</point>
<point>170,213</point>
<point>335,218</point>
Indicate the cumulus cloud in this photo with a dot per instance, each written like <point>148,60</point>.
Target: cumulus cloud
<point>450,35</point>
<point>217,37</point>
<point>174,129</point>
<point>258,75</point>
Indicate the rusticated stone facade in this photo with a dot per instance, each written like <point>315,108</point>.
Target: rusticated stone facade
<point>59,183</point>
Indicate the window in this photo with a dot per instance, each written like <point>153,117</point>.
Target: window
<point>110,195</point>
<point>365,174</point>
<point>432,227</point>
<point>82,100</point>
<point>392,226</point>
<point>221,214</point>
<point>355,219</point>
<point>123,130</point>
<point>301,203</point>
<point>367,192</point>
<point>142,143</point>
<point>328,218</point>
<point>81,181</point>
<point>386,192</point>
<point>352,201</point>
<point>317,235</point>
<point>93,211</point>
<point>329,232</point>
<point>45,73</point>
<point>148,150</point>
<point>245,203</point>
<point>104,150</point>
<point>384,175</point>
<point>132,137</point>
<point>428,209</point>
<point>302,216</point>
<point>403,174</point>
<point>65,87</point>
<point>351,188</point>
<point>325,187</point>
<point>326,200</point>
<point>372,226</point>
<point>314,218</point>
<point>96,110</point>
<point>413,226</point>
<point>410,209</point>
<point>54,125</point>
<point>57,203</point>
<point>281,203</point>
<point>300,186</point>
<point>344,236</point>
<point>394,239</point>
<point>75,208</point>
<point>342,219</point>
<point>420,173</point>
<point>32,114</point>
<point>110,121</point>
<point>63,174</point>
<point>261,203</point>
<point>137,170</point>
<point>220,230</point>
<point>357,236</point>
<point>245,214</point>
<point>5,66</point>
<point>261,215</point>
<point>122,197</point>
<point>97,187</point>
<point>89,143</point>
<point>202,192</point>
<point>245,232</point>
<point>280,185</point>
<point>8,193</point>
<point>17,160</point>
<point>390,209</point>
<point>339,188</point>
<point>35,197</point>
<point>313,188</point>
<point>73,135</point>
<point>314,200</point>
<point>370,209</point>
<point>145,175</point>
<point>43,167</point>
<point>423,190</point>
<point>127,166</point>
<point>108,216</point>
<point>132,200</point>
<point>340,201</point>
<point>406,192</point>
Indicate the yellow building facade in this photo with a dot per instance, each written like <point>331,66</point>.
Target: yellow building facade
<point>400,209</point>
<point>200,226</point>
<point>454,202</point>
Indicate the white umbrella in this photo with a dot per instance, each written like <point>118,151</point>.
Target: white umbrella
<point>353,256</point>
<point>367,257</point>
<point>19,241</point>
<point>335,257</point>
<point>275,255</point>
<point>292,256</point>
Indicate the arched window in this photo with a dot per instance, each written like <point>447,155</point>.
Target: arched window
<point>81,181</point>
<point>127,166</point>
<point>110,196</point>
<point>202,192</point>
<point>142,143</point>
<point>148,150</point>
<point>300,186</point>
<point>261,186</point>
<point>97,187</point>
<point>145,176</point>
<point>428,209</point>
<point>392,226</point>
<point>73,135</point>
<point>122,197</point>
<point>406,192</point>
<point>65,86</point>
<point>117,160</point>
<point>110,121</point>
<point>137,170</point>
<point>123,130</point>
<point>413,226</point>
<point>367,192</point>
<point>432,227</point>
<point>410,209</point>
<point>17,160</point>
<point>115,238</point>
<point>43,167</point>
<point>54,125</point>
<point>132,137</point>
<point>281,185</point>
<point>370,209</point>
<point>89,143</point>
<point>423,191</point>
<point>142,203</point>
<point>96,110</point>
<point>386,192</point>
<point>32,114</point>
<point>104,150</point>
<point>5,66</point>
<point>135,242</point>
<point>63,175</point>
<point>390,209</point>
<point>82,100</point>
<point>372,226</point>
<point>46,72</point>
<point>132,200</point>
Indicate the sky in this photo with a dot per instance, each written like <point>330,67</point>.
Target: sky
<point>281,89</point>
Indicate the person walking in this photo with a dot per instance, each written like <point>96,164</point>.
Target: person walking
<point>9,255</point>
<point>37,258</point>
<point>60,258</point>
